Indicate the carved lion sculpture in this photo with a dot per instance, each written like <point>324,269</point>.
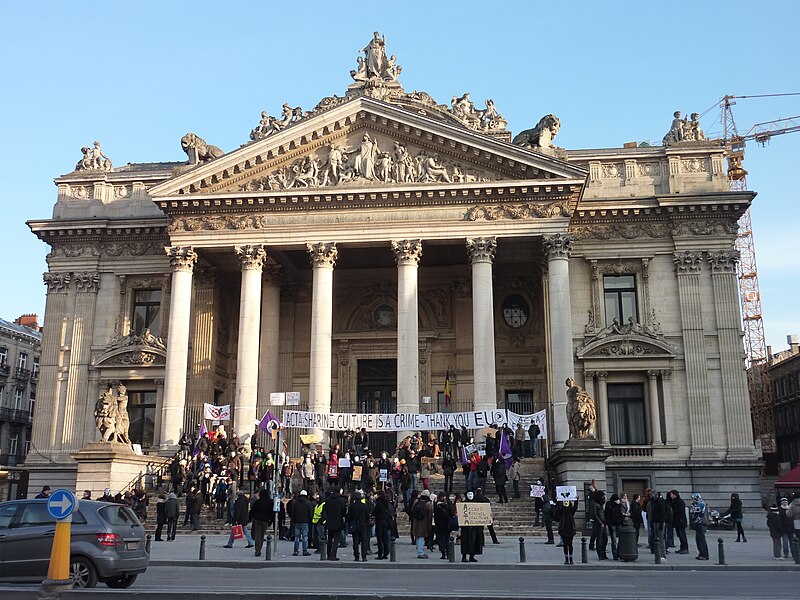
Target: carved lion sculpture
<point>540,136</point>
<point>197,150</point>
<point>581,412</point>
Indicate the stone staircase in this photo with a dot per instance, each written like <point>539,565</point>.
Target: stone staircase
<point>513,519</point>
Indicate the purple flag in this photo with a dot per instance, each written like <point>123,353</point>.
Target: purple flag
<point>505,450</point>
<point>264,423</point>
<point>203,431</point>
<point>464,459</point>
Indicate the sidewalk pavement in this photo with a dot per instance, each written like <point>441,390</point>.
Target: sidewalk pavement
<point>756,554</point>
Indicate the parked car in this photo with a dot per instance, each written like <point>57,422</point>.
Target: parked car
<point>107,543</point>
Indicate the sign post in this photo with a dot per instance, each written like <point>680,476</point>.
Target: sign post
<point>61,504</point>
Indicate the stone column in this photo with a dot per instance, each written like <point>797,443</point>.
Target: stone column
<point>407,254</point>
<point>201,364</point>
<point>558,249</point>
<point>734,377</point>
<point>602,408</point>
<point>270,338</point>
<point>323,258</point>
<point>48,391</point>
<point>669,413</point>
<point>182,260</point>
<point>481,251</point>
<point>244,410</point>
<point>655,412</point>
<point>688,265</point>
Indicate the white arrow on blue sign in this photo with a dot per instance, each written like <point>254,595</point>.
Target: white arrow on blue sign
<point>60,504</point>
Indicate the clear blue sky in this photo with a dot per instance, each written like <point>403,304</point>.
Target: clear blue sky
<point>138,75</point>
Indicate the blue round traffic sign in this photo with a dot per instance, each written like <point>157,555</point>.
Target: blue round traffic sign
<point>60,504</point>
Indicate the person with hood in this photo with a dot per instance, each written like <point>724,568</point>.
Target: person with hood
<point>449,469</point>
<point>421,514</point>
<point>735,513</point>
<point>442,513</point>
<point>261,514</point>
<point>614,518</point>
<point>358,515</point>
<point>775,530</point>
<point>564,514</point>
<point>678,507</point>
<point>382,513</point>
<point>787,527</point>
<point>107,496</point>
<point>241,516</point>
<point>698,514</point>
<point>548,517</point>
<point>171,511</point>
<point>472,539</point>
<point>334,512</point>
<point>500,476</point>
<point>161,516</point>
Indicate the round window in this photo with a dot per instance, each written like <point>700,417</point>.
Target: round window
<point>516,311</point>
<point>384,315</point>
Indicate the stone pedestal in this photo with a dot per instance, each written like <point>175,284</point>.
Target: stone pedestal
<point>579,462</point>
<point>107,465</point>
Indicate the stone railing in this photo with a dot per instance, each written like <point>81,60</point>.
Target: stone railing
<point>631,451</point>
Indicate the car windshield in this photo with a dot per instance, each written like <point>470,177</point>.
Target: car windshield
<point>119,515</point>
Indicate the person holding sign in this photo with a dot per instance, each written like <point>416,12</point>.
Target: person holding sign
<point>472,539</point>
<point>564,513</point>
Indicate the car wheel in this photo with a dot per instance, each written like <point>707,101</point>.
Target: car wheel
<point>82,572</point>
<point>125,581</point>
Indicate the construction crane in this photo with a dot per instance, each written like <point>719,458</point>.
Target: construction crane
<point>757,360</point>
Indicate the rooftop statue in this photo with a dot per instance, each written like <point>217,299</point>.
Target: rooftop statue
<point>540,137</point>
<point>94,159</point>
<point>374,67</point>
<point>197,150</point>
<point>684,130</point>
<point>581,412</point>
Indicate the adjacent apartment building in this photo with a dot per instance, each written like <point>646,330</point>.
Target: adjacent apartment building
<point>784,374</point>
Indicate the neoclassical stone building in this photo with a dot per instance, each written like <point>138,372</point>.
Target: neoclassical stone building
<point>358,252</point>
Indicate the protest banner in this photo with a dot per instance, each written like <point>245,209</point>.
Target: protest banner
<point>474,513</point>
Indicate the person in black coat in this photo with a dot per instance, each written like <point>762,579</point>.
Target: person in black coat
<point>472,539</point>
<point>597,514</point>
<point>614,518</point>
<point>301,515</point>
<point>335,512</point>
<point>358,515</point>
<point>261,515</point>
<point>735,512</point>
<point>564,514</point>
<point>172,511</point>
<point>442,514</point>
<point>193,504</point>
<point>679,522</point>
<point>161,516</point>
<point>382,513</point>
<point>500,477</point>
<point>636,515</point>
<point>241,516</point>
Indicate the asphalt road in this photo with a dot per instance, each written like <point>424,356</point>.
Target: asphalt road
<point>576,582</point>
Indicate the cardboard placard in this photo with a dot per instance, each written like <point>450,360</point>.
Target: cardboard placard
<point>383,475</point>
<point>471,448</point>
<point>472,514</point>
<point>333,471</point>
<point>292,398</point>
<point>357,472</point>
<point>277,398</point>
<point>344,463</point>
<point>537,491</point>
<point>566,493</point>
<point>310,438</point>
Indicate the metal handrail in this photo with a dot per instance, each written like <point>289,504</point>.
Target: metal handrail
<point>153,469</point>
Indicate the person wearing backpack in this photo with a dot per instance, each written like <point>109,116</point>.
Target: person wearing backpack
<point>421,521</point>
<point>698,514</point>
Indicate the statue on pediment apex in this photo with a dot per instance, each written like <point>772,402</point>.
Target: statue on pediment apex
<point>375,69</point>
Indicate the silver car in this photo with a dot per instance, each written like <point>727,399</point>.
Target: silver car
<point>107,543</point>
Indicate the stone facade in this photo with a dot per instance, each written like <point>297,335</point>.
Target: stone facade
<point>784,377</point>
<point>384,227</point>
<point>20,347</point>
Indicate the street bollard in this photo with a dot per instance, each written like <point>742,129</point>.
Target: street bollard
<point>202,547</point>
<point>323,550</point>
<point>584,551</point>
<point>796,550</point>
<point>721,546</point>
<point>268,549</point>
<point>148,544</point>
<point>451,549</point>
<point>657,554</point>
<point>522,557</point>
<point>393,553</point>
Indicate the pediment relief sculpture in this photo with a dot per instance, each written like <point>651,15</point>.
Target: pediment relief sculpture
<point>366,160</point>
<point>145,350</point>
<point>629,340</point>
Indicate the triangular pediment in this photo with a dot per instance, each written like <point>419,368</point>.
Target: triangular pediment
<point>630,345</point>
<point>367,144</point>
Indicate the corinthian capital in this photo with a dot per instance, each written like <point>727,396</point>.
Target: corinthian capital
<point>251,257</point>
<point>87,282</point>
<point>322,254</point>
<point>723,261</point>
<point>687,262</point>
<point>57,283</point>
<point>181,258</point>
<point>482,249</point>
<point>558,245</point>
<point>407,252</point>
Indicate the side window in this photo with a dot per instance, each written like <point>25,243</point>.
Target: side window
<point>36,515</point>
<point>6,514</point>
<point>118,515</point>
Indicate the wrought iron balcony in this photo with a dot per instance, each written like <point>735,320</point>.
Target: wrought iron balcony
<point>13,415</point>
<point>5,371</point>
<point>11,460</point>
<point>23,374</point>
